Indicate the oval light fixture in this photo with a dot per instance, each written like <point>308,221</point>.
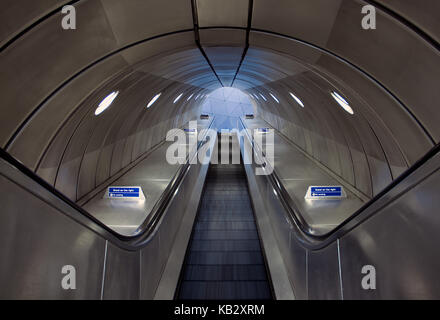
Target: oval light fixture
<point>178,98</point>
<point>106,102</point>
<point>275,98</point>
<point>297,99</point>
<point>152,101</point>
<point>342,102</point>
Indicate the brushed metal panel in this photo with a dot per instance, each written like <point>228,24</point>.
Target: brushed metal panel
<point>225,61</point>
<point>412,140</point>
<point>297,172</point>
<point>152,264</point>
<point>423,16</point>
<point>86,180</point>
<point>122,274</point>
<point>57,55</point>
<point>18,14</point>
<point>290,17</point>
<point>323,274</point>
<point>53,115</point>
<point>227,13</point>
<point>380,57</point>
<point>385,115</point>
<point>400,242</point>
<point>222,37</point>
<point>278,219</point>
<point>32,260</point>
<point>141,136</point>
<point>51,160</point>
<point>122,151</point>
<point>138,98</point>
<point>402,55</point>
<point>67,174</point>
<point>296,263</point>
<point>55,151</point>
<point>76,148</point>
<point>157,46</point>
<point>134,20</point>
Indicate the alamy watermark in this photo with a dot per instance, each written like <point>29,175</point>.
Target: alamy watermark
<point>68,282</point>
<point>369,20</point>
<point>257,146</point>
<point>369,280</point>
<point>69,19</point>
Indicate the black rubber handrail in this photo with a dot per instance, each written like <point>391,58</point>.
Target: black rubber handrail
<point>313,239</point>
<point>144,231</point>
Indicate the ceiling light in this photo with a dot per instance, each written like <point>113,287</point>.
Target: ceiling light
<point>275,98</point>
<point>178,97</point>
<point>263,97</point>
<point>342,102</point>
<point>297,99</point>
<point>106,102</point>
<point>190,97</point>
<point>154,100</point>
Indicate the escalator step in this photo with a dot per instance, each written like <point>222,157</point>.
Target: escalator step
<point>224,258</point>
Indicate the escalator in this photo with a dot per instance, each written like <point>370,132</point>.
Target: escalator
<point>224,259</point>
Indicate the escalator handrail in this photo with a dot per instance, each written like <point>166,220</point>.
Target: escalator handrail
<point>317,241</point>
<point>146,229</point>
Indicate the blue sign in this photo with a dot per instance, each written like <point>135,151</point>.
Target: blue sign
<point>124,192</point>
<point>190,130</point>
<point>326,191</point>
<point>263,130</point>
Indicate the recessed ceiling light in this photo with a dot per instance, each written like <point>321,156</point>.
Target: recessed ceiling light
<point>263,97</point>
<point>297,99</point>
<point>342,102</point>
<point>253,96</point>
<point>106,102</point>
<point>190,97</point>
<point>178,98</point>
<point>275,98</point>
<point>154,100</point>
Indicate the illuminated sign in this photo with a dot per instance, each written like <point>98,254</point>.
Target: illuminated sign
<point>124,193</point>
<point>325,192</point>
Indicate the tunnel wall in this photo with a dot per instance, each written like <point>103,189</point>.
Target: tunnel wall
<point>53,78</point>
<point>40,234</point>
<point>55,81</point>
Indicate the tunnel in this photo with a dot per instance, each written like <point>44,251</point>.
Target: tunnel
<point>304,140</point>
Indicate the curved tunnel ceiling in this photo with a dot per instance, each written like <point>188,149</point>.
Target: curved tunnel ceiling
<point>53,80</point>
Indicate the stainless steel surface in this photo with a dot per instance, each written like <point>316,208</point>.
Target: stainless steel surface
<point>392,127</point>
<point>106,267</point>
<point>170,277</point>
<point>122,273</point>
<point>418,15</point>
<point>226,13</point>
<point>404,255</point>
<point>224,258</point>
<point>153,174</point>
<point>323,267</point>
<point>32,260</point>
<point>277,263</point>
<point>52,81</point>
<point>390,235</point>
<point>297,174</point>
